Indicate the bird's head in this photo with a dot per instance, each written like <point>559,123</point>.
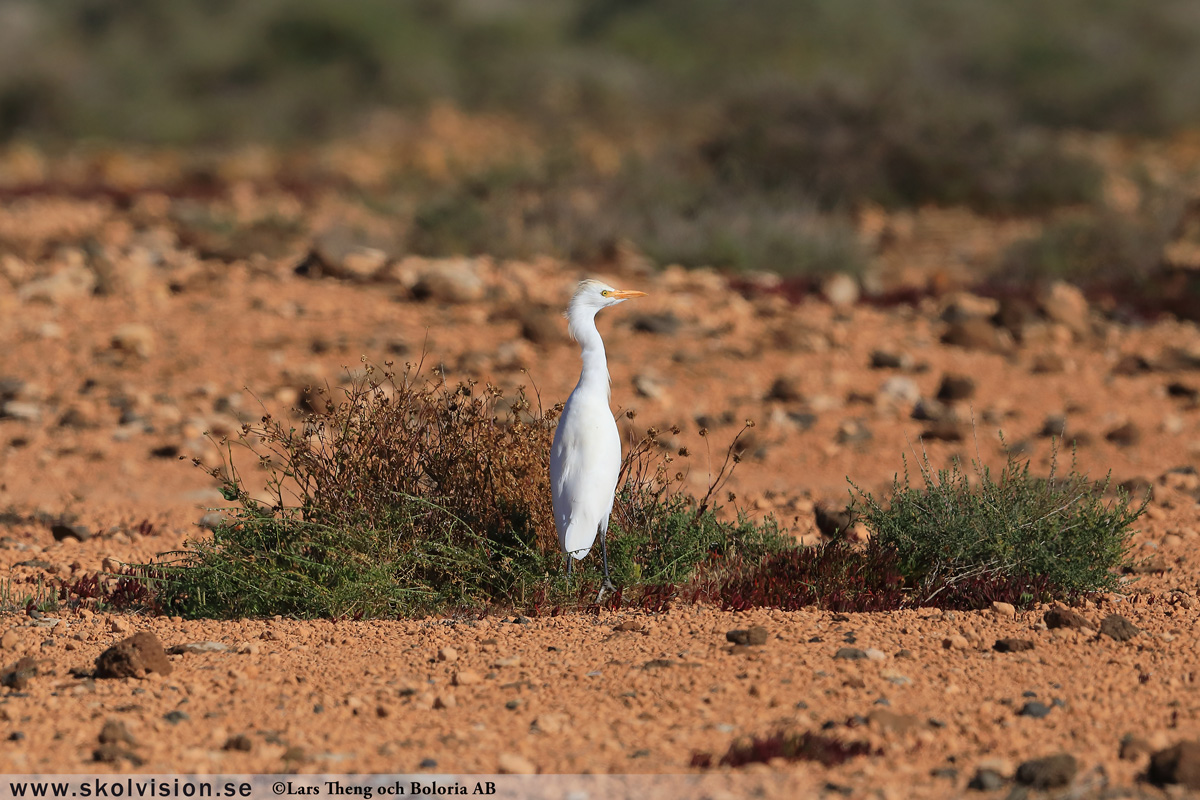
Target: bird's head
<point>591,296</point>
<point>594,294</point>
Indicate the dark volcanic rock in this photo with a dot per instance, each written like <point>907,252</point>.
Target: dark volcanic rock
<point>833,520</point>
<point>757,635</point>
<point>1012,645</point>
<point>956,387</point>
<point>18,675</point>
<point>1034,709</point>
<point>945,430</point>
<point>133,658</point>
<point>1117,627</point>
<point>1125,435</point>
<point>1065,618</point>
<point>62,531</point>
<point>1178,764</point>
<point>115,732</point>
<point>1049,772</point>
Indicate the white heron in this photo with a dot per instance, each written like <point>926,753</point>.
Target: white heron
<point>585,459</point>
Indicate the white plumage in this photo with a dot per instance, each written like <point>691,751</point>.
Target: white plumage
<point>585,459</point>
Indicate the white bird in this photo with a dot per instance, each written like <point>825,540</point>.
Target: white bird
<point>585,459</point>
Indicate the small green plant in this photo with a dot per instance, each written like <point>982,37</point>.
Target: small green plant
<point>1011,527</point>
<point>405,496</point>
<point>28,594</point>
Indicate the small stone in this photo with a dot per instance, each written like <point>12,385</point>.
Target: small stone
<point>955,388</point>
<point>115,732</point>
<point>550,723</point>
<point>1012,645</point>
<point>513,764</point>
<point>24,410</point>
<point>134,657</point>
<point>1004,609</point>
<point>1178,764</point>
<point>134,338</point>
<point>628,626</point>
<point>1034,709</point>
<point>874,654</point>
<point>466,677</point>
<point>833,520</point>
<point>986,780</point>
<point>1134,748</point>
<point>198,647</point>
<point>850,654</point>
<point>1065,304</point>
<point>1015,315</point>
<point>341,252</point>
<point>900,390</point>
<point>447,654</point>
<point>785,389</point>
<point>1048,363</point>
<point>72,282</point>
<point>756,635</point>
<point>853,431</point>
<point>17,676</point>
<point>840,290</point>
<point>175,717</point>
<point>118,625</point>
<point>955,642</point>
<point>61,531</point>
<point>1125,435</point>
<point>239,742</point>
<point>929,410</point>
<point>946,429</point>
<point>450,281</point>
<point>444,701</point>
<point>974,333</point>
<point>884,359</point>
<point>1049,772</point>
<point>649,386</point>
<point>1060,617</point>
<point>10,640</point>
<point>1119,628</point>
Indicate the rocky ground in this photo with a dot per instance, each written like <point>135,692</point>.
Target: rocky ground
<point>132,327</point>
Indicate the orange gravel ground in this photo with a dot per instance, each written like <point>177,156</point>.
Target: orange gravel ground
<point>211,338</point>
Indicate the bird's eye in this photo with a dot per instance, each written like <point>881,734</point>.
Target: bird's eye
<point>605,293</point>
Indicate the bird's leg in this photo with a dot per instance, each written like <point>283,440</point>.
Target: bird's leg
<point>607,586</point>
<point>570,565</point>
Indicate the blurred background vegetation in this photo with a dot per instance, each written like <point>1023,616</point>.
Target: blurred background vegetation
<point>746,133</point>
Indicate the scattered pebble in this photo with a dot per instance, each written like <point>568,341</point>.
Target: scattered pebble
<point>1049,772</point>
<point>134,657</point>
<point>1118,627</point>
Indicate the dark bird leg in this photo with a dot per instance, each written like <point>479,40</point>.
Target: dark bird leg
<point>607,586</point>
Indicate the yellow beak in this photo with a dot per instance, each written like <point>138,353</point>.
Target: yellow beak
<point>622,294</point>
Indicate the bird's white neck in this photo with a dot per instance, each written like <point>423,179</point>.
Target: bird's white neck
<point>594,375</point>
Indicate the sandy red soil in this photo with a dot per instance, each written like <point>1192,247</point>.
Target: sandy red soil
<point>125,344</point>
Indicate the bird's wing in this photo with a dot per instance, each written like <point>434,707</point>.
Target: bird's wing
<point>585,462</point>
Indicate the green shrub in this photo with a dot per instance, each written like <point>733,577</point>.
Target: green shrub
<point>1012,527</point>
<point>408,497</point>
